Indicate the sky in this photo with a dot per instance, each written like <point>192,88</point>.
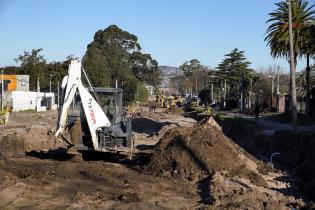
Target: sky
<point>172,31</point>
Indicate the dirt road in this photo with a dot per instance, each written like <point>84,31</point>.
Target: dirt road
<point>36,172</point>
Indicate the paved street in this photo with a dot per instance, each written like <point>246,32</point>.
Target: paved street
<point>269,126</point>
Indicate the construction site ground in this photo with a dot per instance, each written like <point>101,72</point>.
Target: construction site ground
<point>179,163</point>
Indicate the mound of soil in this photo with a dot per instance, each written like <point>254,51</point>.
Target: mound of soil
<point>199,151</point>
<point>239,193</point>
<point>34,138</point>
<point>297,150</point>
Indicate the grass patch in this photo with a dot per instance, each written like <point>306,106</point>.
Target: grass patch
<point>197,108</point>
<point>236,121</point>
<point>231,109</point>
<point>222,116</point>
<point>200,110</point>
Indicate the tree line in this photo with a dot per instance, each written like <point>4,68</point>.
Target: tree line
<point>235,71</point>
<point>113,57</point>
<point>228,81</point>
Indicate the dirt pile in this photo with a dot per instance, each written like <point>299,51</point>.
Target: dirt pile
<point>239,193</point>
<point>201,150</point>
<point>31,183</point>
<point>33,138</point>
<point>226,176</point>
<point>297,150</point>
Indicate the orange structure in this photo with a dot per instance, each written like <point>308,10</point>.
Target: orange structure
<point>10,81</point>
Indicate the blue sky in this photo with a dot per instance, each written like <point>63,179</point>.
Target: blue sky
<point>172,31</point>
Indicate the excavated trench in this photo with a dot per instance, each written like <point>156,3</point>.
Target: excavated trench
<point>226,174</point>
<point>293,152</point>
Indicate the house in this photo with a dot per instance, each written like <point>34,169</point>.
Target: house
<point>12,82</point>
<point>29,100</point>
<point>16,94</point>
<point>150,90</point>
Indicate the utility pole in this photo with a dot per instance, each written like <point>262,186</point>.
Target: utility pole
<point>196,85</point>
<point>292,72</point>
<point>224,96</point>
<point>241,100</point>
<point>38,87</point>
<point>50,83</point>
<point>250,93</point>
<point>308,92</point>
<point>211,92</point>
<point>37,97</point>
<point>278,81</point>
<point>58,93</point>
<point>220,96</point>
<point>204,77</point>
<point>242,91</point>
<point>272,90</point>
<point>2,90</point>
<point>221,88</point>
<point>278,91</point>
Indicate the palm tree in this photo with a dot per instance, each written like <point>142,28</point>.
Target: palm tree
<point>277,34</point>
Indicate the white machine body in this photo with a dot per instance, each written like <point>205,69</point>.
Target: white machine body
<point>95,116</point>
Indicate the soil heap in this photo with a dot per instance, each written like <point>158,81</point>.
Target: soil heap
<point>199,151</point>
<point>226,176</point>
<point>33,138</point>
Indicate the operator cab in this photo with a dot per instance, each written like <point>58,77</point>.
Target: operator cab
<point>118,135</point>
<point>110,100</point>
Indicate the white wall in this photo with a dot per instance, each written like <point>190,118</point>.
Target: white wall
<point>22,82</point>
<point>150,89</point>
<point>24,100</point>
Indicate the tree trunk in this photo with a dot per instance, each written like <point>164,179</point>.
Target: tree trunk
<point>293,62</point>
<point>293,97</point>
<point>308,69</point>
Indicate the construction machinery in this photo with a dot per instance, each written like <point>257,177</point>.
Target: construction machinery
<point>100,124</point>
<point>169,101</point>
<point>5,115</point>
<point>160,99</point>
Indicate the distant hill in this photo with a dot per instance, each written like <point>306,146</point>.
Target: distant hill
<point>167,73</point>
<point>170,71</point>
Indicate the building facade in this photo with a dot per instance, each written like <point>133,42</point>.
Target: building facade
<point>12,82</point>
<point>17,95</point>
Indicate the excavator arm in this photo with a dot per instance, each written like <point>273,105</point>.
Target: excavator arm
<point>96,118</point>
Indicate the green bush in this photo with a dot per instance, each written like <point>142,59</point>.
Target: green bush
<point>134,91</point>
<point>142,93</point>
<point>129,91</point>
